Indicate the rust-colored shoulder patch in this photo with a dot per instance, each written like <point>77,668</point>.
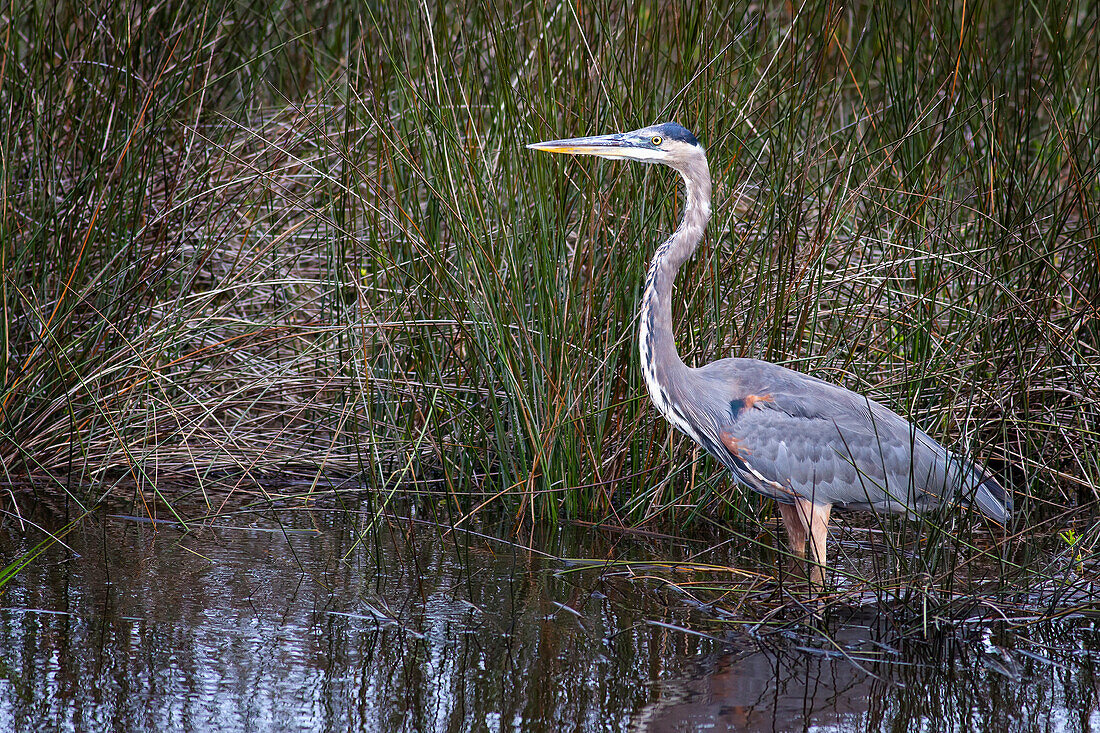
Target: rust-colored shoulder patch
<point>748,402</point>
<point>752,399</point>
<point>734,445</point>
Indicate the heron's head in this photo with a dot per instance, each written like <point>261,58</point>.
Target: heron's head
<point>667,143</point>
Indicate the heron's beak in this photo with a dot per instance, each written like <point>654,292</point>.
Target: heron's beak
<point>605,146</point>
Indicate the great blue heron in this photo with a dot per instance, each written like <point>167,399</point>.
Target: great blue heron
<point>808,444</point>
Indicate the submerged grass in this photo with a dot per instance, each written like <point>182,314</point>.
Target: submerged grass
<point>252,241</point>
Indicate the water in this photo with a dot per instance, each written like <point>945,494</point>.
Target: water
<point>319,619</point>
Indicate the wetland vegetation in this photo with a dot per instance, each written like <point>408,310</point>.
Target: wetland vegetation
<point>269,257</point>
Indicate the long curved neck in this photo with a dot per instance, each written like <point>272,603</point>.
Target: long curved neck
<point>662,367</point>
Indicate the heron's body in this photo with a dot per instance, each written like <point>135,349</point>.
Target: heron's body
<point>808,444</point>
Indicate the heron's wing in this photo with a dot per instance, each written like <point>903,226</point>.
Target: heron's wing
<point>829,445</point>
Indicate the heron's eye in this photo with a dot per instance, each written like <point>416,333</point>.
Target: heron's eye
<point>656,140</point>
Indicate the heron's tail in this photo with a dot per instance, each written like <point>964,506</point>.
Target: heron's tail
<point>983,491</point>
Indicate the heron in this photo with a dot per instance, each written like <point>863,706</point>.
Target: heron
<point>806,443</point>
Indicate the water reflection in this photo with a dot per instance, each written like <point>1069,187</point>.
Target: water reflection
<point>322,619</point>
<point>951,683</point>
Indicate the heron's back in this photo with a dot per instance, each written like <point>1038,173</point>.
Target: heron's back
<point>787,434</point>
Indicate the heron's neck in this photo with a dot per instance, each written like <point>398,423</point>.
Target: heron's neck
<point>662,367</point>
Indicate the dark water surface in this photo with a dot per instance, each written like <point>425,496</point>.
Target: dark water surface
<point>327,619</point>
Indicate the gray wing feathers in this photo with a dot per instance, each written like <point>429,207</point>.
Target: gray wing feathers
<point>816,440</point>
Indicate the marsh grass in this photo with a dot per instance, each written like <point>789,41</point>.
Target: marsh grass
<point>269,242</point>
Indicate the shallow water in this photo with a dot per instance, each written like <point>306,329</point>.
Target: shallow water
<point>323,619</point>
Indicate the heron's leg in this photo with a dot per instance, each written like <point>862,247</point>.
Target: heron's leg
<point>819,532</point>
<point>797,527</point>
<point>804,519</point>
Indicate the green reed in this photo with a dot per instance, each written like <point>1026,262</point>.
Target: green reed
<point>273,242</point>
